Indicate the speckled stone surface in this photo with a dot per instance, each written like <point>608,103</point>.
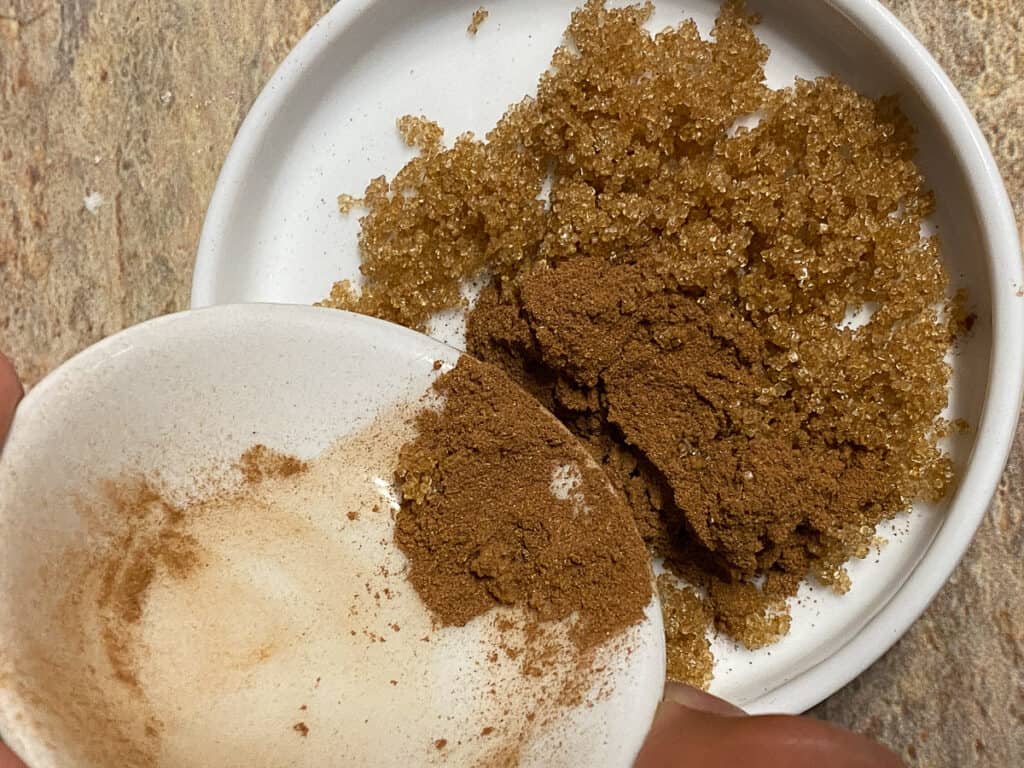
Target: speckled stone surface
<point>114,119</point>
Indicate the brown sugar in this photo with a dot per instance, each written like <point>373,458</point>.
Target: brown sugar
<point>678,290</point>
<point>446,216</point>
<point>479,16</point>
<point>688,652</point>
<point>420,132</point>
<point>451,213</point>
<point>486,522</point>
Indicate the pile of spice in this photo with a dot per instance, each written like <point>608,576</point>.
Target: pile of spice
<point>501,508</point>
<point>676,288</point>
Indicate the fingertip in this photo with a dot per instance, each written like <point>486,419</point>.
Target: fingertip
<point>8,759</point>
<point>9,380</point>
<point>677,736</point>
<point>10,393</point>
<point>814,742</point>
<point>694,698</point>
<point>683,736</point>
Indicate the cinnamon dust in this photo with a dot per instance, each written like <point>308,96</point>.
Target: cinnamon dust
<point>152,540</point>
<point>259,461</point>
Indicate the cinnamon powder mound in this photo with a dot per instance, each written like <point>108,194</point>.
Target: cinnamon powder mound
<point>730,477</point>
<point>484,521</point>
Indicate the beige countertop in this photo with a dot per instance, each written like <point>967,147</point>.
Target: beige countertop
<point>133,105</point>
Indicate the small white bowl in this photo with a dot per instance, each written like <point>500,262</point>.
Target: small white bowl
<point>324,124</point>
<point>270,634</point>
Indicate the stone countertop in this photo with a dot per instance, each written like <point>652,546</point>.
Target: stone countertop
<point>115,117</point>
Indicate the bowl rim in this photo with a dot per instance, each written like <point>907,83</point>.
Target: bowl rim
<point>1001,248</point>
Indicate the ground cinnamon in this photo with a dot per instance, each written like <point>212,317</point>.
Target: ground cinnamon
<point>500,507</point>
<point>259,461</point>
<point>671,391</point>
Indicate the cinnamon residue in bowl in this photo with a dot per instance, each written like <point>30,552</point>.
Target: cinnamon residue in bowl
<point>153,541</point>
<point>678,287</point>
<point>258,462</point>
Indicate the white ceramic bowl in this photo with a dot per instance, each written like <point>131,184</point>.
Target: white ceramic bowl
<point>271,631</point>
<point>324,124</point>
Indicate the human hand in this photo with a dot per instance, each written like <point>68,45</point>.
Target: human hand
<point>10,394</point>
<point>693,728</point>
<point>8,759</point>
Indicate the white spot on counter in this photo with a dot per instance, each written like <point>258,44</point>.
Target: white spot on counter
<point>93,201</point>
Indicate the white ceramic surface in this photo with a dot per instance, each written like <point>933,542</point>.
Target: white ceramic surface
<point>325,124</point>
<point>185,392</point>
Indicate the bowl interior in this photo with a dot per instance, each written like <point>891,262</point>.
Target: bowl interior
<point>248,640</point>
<point>325,125</point>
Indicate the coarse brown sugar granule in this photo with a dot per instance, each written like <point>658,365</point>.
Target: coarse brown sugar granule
<point>347,202</point>
<point>445,217</point>
<point>420,132</point>
<point>754,616</point>
<point>688,652</point>
<point>479,16</point>
<point>680,298</point>
<point>485,523</point>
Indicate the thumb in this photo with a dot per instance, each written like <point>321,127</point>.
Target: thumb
<point>710,733</point>
<point>8,759</point>
<point>10,394</point>
<point>694,698</point>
